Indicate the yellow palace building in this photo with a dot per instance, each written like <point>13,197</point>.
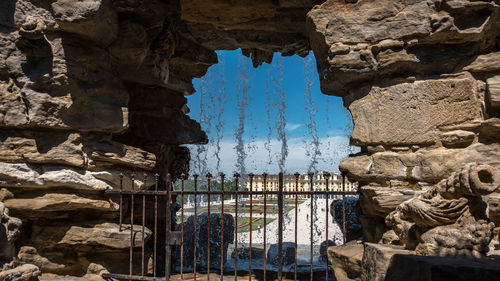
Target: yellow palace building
<point>303,183</point>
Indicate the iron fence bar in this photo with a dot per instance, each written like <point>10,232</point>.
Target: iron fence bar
<point>131,251</point>
<point>311,218</point>
<point>183,177</point>
<point>236,176</point>
<point>251,220</point>
<point>168,229</point>
<point>264,175</point>
<point>143,226</point>
<point>296,221</point>
<point>343,207</point>
<point>280,193</point>
<point>209,178</point>
<point>222,229</point>
<point>155,226</point>
<point>195,221</point>
<point>280,226</point>
<point>326,176</point>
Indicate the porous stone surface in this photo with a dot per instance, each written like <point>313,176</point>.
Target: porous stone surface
<point>377,259</point>
<point>419,268</point>
<point>448,219</point>
<point>9,232</point>
<point>25,272</point>
<point>346,261</point>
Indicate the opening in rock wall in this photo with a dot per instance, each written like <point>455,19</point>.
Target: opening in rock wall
<point>270,118</point>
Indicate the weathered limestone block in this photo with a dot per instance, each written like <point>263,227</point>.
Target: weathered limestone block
<point>425,165</point>
<point>390,39</point>
<point>25,272</point>
<point>387,115</point>
<point>70,148</point>
<point>94,19</point>
<point>36,147</point>
<point>106,152</point>
<point>419,268</point>
<point>35,176</point>
<point>244,11</point>
<point>458,138</point>
<point>9,232</point>
<point>491,128</point>
<point>493,209</point>
<point>56,264</point>
<point>155,113</point>
<point>378,201</point>
<point>40,207</point>
<point>485,63</point>
<point>377,259</point>
<point>346,261</point>
<point>288,254</point>
<point>94,235</point>
<point>494,90</point>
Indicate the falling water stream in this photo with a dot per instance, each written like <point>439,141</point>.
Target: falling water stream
<point>242,103</point>
<point>313,148</point>
<point>267,144</point>
<point>281,120</point>
<point>221,102</point>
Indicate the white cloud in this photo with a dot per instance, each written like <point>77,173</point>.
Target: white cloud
<point>290,127</point>
<point>332,149</point>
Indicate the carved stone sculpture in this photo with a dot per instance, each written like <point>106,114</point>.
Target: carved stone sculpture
<point>450,218</point>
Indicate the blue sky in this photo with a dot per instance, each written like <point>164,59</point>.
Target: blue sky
<point>291,74</point>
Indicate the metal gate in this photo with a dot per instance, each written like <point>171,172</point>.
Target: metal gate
<point>145,205</point>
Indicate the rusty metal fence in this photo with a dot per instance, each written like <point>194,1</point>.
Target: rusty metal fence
<point>163,197</point>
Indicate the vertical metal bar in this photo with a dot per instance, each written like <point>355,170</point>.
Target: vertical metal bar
<point>183,178</point>
<point>296,215</point>
<point>222,229</point>
<point>209,177</point>
<point>156,225</point>
<point>168,229</point>
<point>236,177</point>
<point>143,224</point>
<point>264,175</point>
<point>280,225</point>
<point>326,176</point>
<point>343,207</point>
<point>195,176</point>
<point>131,259</point>
<point>251,219</point>
<point>311,182</point>
<point>121,201</point>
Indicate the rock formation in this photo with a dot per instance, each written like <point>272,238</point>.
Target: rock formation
<point>94,89</point>
<point>203,236</point>
<point>419,78</point>
<point>449,218</point>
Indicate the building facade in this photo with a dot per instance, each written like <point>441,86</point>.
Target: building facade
<point>302,183</point>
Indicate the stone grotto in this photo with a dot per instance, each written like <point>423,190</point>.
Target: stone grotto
<point>94,89</point>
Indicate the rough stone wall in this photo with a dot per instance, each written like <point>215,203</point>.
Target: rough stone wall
<point>420,79</point>
<point>91,89</point>
<point>96,88</point>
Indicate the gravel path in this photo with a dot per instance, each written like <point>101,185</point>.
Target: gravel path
<point>303,226</point>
